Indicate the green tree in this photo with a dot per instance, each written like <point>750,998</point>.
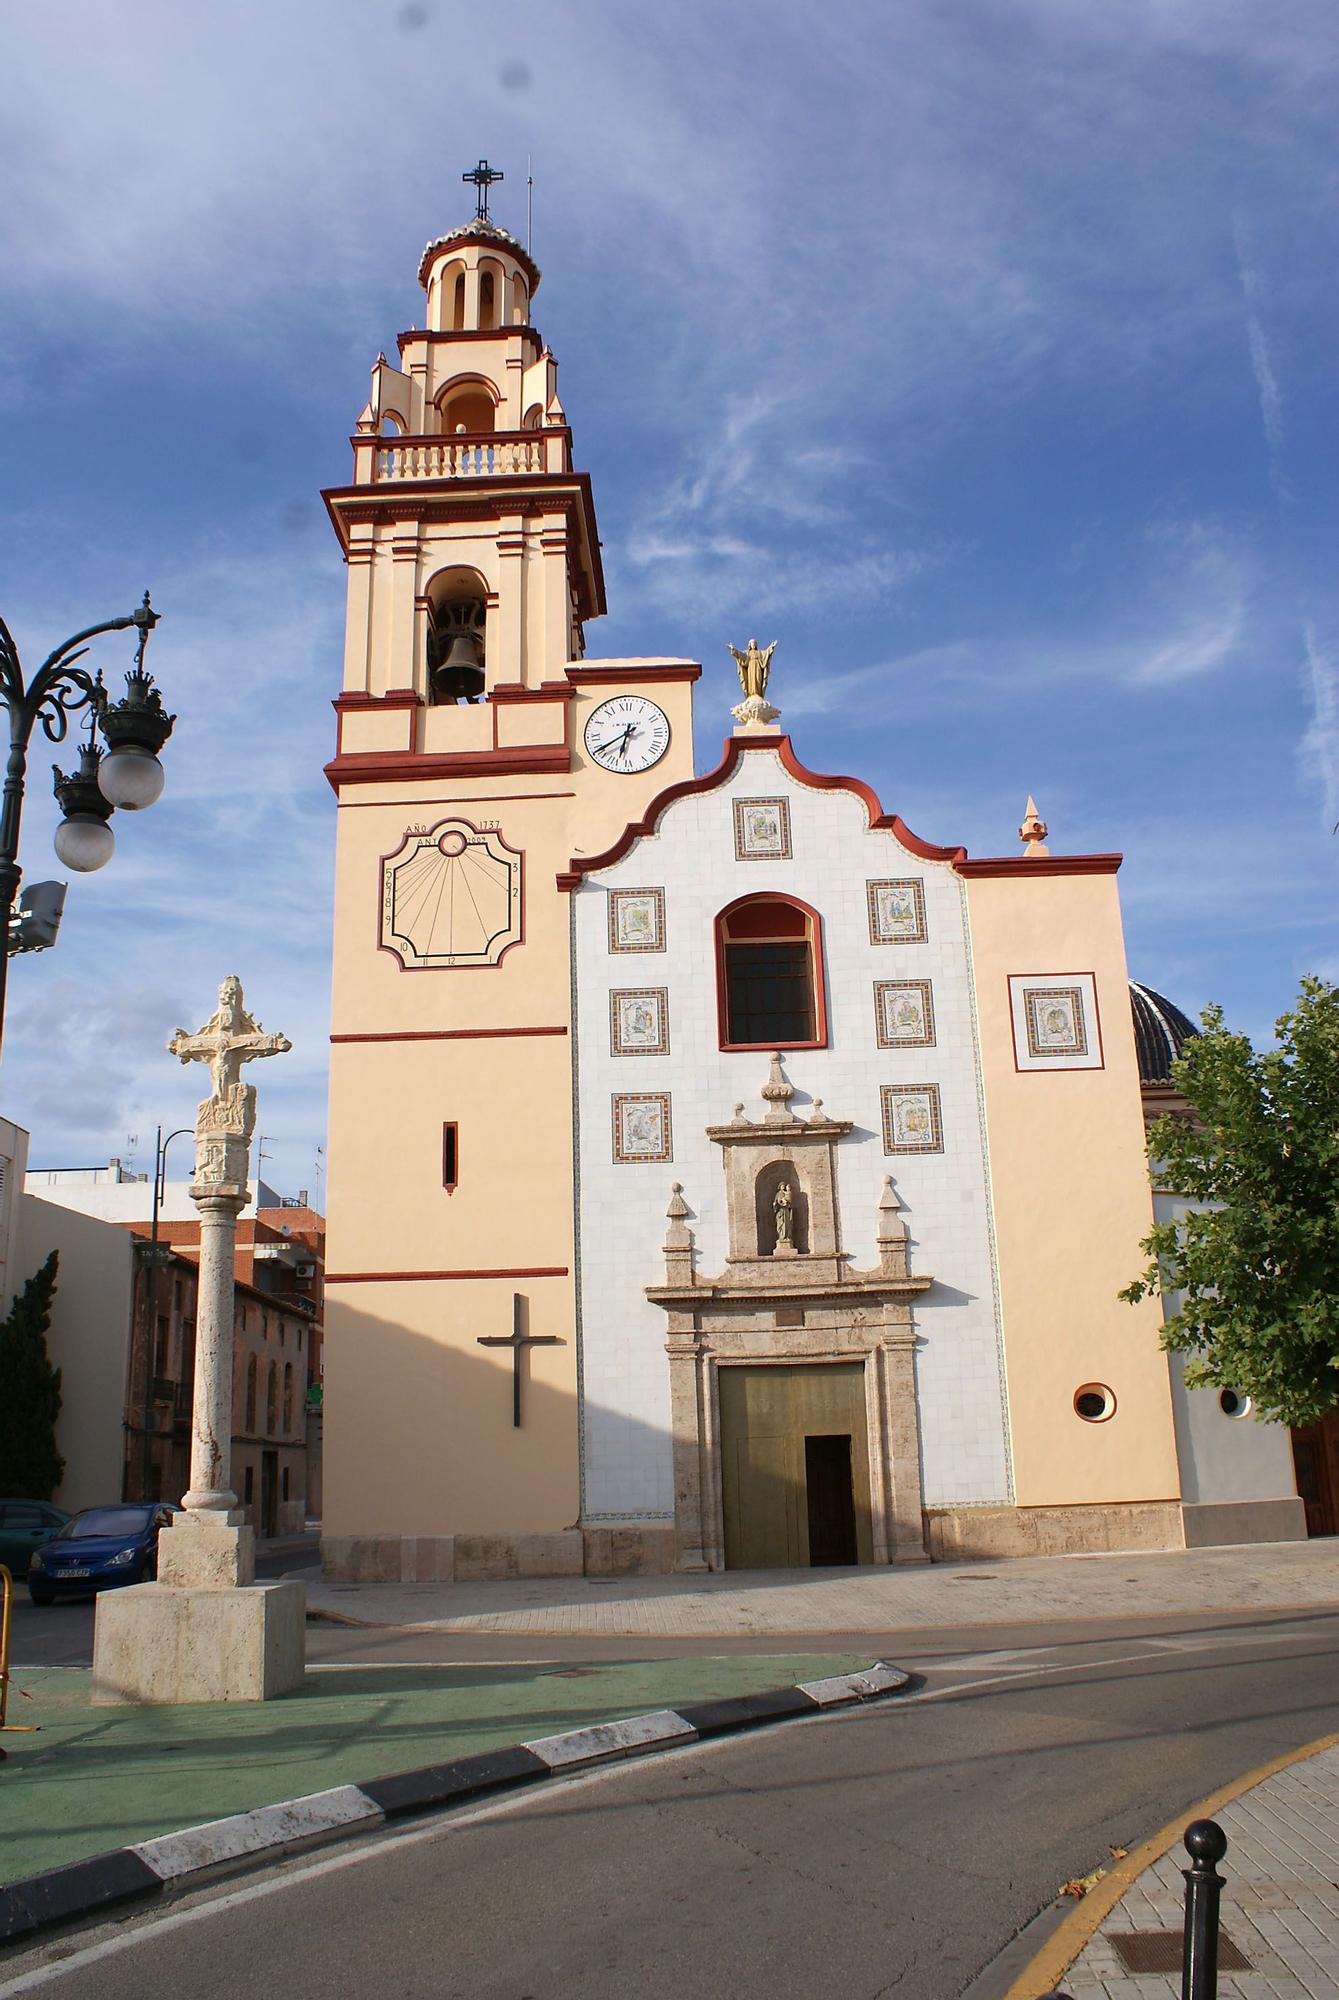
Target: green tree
<point>30,1465</point>
<point>1253,1268</point>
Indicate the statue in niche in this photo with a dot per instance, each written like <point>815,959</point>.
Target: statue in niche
<point>783,1209</point>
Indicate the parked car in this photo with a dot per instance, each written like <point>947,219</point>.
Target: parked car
<point>24,1526</point>
<point>98,1550</point>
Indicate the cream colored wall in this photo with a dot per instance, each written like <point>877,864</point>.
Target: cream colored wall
<point>88,1340</point>
<point>1071,1200</point>
<point>418,1431</point>
<point>13,1168</point>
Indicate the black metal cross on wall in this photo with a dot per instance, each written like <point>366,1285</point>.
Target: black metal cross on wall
<point>483,177</point>
<point>517,1342</point>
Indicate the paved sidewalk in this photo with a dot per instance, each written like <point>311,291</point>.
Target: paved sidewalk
<point>1280,1905</point>
<point>772,1603</point>
<point>91,1779</point>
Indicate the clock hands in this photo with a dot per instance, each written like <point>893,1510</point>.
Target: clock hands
<point>616,745</point>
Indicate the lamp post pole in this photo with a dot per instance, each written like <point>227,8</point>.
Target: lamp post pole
<point>151,1309</point>
<point>135,729</point>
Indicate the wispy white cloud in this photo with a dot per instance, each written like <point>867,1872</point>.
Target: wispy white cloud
<point>1320,745</point>
<point>1262,366</point>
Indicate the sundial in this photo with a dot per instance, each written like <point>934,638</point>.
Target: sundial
<point>450,896</point>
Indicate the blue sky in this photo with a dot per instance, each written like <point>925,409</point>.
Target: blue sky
<point>983,354</point>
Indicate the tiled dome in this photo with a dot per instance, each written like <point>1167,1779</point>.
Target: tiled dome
<point>1159,1032</point>
<point>480,229</point>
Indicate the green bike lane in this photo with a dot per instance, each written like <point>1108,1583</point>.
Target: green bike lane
<point>89,1779</point>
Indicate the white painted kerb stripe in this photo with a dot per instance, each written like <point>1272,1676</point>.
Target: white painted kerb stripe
<point>839,1688</point>
<point>612,1739</point>
<point>293,1824</point>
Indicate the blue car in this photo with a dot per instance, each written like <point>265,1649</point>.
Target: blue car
<point>98,1550</point>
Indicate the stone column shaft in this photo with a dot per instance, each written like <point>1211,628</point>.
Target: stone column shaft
<point>211,1427</point>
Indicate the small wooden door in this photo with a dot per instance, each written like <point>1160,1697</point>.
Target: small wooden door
<point>795,1465</point>
<point>1316,1458</point>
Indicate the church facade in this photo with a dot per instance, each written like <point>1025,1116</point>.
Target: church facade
<point>721,1174</point>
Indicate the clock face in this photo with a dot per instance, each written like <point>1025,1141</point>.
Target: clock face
<point>450,896</point>
<point>627,733</point>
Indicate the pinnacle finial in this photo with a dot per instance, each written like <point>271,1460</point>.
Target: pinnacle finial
<point>1033,831</point>
<point>777,1093</point>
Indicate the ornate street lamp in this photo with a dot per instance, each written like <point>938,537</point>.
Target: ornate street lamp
<point>127,774</point>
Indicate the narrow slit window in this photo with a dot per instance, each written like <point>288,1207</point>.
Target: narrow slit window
<point>450,1157</point>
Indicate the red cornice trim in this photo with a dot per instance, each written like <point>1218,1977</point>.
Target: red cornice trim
<point>419,1277</point>
<point>735,746</point>
<point>676,670</point>
<point>526,331</point>
<point>507,691</point>
<point>381,767</point>
<point>393,698</point>
<point>445,1034</point>
<point>461,500</point>
<point>1052,864</point>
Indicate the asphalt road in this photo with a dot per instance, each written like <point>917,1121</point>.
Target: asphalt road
<point>893,1851</point>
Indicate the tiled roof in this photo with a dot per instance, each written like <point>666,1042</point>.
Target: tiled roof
<point>1160,1029</point>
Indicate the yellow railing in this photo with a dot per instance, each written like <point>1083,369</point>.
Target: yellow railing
<point>6,1603</point>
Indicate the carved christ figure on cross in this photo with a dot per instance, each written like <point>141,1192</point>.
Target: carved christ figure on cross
<point>228,1039</point>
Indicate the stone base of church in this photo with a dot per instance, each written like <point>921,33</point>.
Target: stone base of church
<point>619,1549</point>
<point>955,1534</point>
<point>159,1644</point>
<point>1215,1524</point>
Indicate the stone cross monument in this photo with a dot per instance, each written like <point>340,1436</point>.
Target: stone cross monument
<point>206,1631</point>
<point>224,1124</point>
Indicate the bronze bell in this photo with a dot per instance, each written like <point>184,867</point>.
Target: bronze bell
<point>460,675</point>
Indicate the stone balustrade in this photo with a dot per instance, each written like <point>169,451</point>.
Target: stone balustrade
<point>479,457</point>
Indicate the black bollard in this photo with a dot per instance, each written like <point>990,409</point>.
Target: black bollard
<point>1206,1844</point>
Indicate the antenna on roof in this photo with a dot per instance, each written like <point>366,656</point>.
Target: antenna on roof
<point>529,205</point>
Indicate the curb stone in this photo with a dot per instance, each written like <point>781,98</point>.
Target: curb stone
<point>174,1862</point>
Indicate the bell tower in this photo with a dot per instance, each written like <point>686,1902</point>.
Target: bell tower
<point>477,749</point>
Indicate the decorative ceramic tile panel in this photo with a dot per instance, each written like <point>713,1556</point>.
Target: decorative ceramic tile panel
<point>904,1014</point>
<point>762,830</point>
<point>1055,1021</point>
<point>636,920</point>
<point>641,1127</point>
<point>639,1021</point>
<point>897,911</point>
<point>911,1118</point>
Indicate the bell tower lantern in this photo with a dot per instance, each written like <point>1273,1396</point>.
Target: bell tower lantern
<point>471,542</point>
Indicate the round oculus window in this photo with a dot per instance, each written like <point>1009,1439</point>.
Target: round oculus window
<point>1094,1402</point>
<point>1233,1404</point>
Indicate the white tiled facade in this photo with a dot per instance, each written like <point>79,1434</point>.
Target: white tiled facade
<point>691,855</point>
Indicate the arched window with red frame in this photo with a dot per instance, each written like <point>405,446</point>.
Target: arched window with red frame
<point>769,974</point>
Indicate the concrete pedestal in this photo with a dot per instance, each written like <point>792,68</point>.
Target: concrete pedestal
<point>160,1643</point>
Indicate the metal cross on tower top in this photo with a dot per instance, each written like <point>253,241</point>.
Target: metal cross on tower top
<point>483,177</point>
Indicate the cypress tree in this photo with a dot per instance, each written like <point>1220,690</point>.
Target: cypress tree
<point>30,1398</point>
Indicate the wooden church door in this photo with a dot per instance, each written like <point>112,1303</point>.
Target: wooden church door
<point>795,1466</point>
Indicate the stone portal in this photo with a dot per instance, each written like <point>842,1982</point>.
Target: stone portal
<point>792,1376</point>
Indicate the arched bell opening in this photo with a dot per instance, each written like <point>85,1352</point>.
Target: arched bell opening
<point>467,406</point>
<point>457,636</point>
<point>783,1223</point>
